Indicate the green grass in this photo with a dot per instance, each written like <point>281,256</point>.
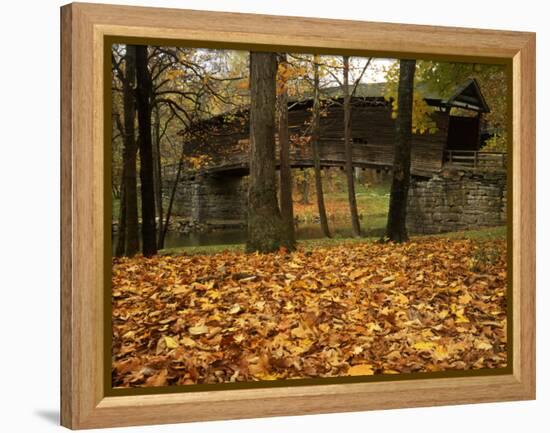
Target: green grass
<point>203,249</point>
<point>372,206</point>
<point>492,233</point>
<point>372,201</point>
<point>485,234</point>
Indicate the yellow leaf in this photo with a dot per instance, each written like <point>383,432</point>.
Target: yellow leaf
<point>189,342</point>
<point>482,345</point>
<point>239,338</point>
<point>303,346</point>
<point>357,350</point>
<point>372,326</point>
<point>180,289</point>
<point>170,343</point>
<point>361,370</point>
<point>424,345</point>
<point>464,299</point>
<point>324,327</point>
<point>260,305</point>
<point>440,353</point>
<point>265,376</point>
<point>356,274</point>
<point>300,332</point>
<point>213,294</point>
<point>235,309</point>
<point>460,318</point>
<point>198,330</point>
<point>442,314</point>
<point>289,306</point>
<point>427,333</point>
<point>401,299</point>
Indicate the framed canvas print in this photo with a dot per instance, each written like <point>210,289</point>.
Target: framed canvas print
<point>267,215</point>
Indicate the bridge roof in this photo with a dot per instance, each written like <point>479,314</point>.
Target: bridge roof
<point>466,96</point>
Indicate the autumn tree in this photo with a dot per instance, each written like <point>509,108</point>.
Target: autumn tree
<point>298,85</point>
<point>337,73</point>
<point>348,149</point>
<point>128,235</point>
<point>188,85</point>
<point>130,155</point>
<point>315,144</point>
<point>157,169</point>
<point>443,78</point>
<point>396,229</point>
<point>266,231</point>
<point>285,172</point>
<point>303,180</point>
<point>143,101</point>
<point>118,77</point>
<point>184,86</point>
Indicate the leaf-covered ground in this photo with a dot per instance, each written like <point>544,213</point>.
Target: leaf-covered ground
<point>351,309</point>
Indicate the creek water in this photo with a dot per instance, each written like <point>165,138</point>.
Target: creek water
<point>238,235</point>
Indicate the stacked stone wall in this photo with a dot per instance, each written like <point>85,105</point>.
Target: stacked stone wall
<point>212,198</point>
<point>457,200</point>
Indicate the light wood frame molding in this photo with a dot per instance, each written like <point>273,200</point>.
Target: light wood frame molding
<point>84,27</point>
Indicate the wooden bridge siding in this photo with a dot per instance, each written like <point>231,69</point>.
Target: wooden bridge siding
<point>373,131</point>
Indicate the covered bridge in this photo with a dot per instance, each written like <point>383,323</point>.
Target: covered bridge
<point>222,141</point>
<point>215,187</point>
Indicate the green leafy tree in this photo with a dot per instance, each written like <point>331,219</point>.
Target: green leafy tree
<point>442,79</point>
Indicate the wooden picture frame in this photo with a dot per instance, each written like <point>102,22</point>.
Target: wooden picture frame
<point>84,28</point>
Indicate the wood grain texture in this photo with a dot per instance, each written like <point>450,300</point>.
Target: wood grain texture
<point>523,181</point>
<point>67,395</point>
<point>84,27</point>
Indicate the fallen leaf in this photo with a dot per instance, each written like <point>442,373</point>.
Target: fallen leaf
<point>198,330</point>
<point>170,343</point>
<point>235,309</point>
<point>356,274</point>
<point>235,317</point>
<point>482,345</point>
<point>361,370</point>
<point>424,345</point>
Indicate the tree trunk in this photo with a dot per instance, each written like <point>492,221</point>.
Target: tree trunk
<point>396,229</point>
<point>157,173</point>
<point>265,225</point>
<point>285,173</point>
<point>315,148</point>
<point>130,155</point>
<point>304,185</point>
<point>162,235</point>
<point>143,93</point>
<point>348,147</point>
<point>121,240</point>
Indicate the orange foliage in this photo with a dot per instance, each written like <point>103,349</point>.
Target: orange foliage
<point>351,309</point>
